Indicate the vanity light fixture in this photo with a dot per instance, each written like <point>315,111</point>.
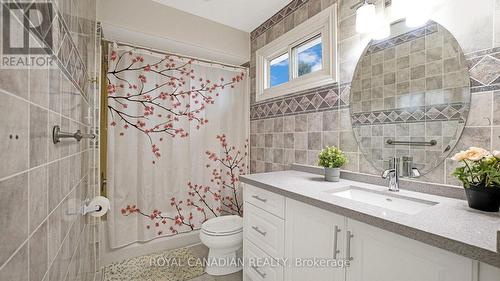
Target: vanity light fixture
<point>416,13</point>
<point>365,16</point>
<point>368,21</point>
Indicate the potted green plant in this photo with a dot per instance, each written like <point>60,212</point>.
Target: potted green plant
<point>332,158</point>
<point>480,175</point>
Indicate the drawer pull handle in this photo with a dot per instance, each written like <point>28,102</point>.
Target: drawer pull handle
<point>336,231</point>
<point>256,269</point>
<point>348,246</point>
<point>263,200</point>
<point>263,233</point>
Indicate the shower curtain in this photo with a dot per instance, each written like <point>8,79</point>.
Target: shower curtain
<point>177,142</point>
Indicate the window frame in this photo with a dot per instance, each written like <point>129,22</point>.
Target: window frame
<point>323,24</point>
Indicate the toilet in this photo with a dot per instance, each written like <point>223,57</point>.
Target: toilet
<point>224,238</point>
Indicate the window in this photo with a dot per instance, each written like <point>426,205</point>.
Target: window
<point>309,56</point>
<point>278,70</point>
<point>302,58</point>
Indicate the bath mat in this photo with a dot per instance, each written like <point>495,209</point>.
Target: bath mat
<point>173,265</point>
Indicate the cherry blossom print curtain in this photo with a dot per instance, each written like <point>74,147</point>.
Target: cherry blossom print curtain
<point>177,142</point>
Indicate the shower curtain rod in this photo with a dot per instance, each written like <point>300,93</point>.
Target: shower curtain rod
<point>173,54</point>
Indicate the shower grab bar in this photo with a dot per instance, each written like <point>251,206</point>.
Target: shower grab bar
<point>57,135</point>
<point>417,143</point>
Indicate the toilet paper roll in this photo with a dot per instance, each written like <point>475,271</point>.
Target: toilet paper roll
<point>101,202</point>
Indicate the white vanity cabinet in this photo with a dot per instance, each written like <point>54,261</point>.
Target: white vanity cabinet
<point>281,228</point>
<point>373,254</point>
<point>312,235</point>
<point>379,255</point>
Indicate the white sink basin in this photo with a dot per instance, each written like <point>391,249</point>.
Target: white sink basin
<point>385,199</point>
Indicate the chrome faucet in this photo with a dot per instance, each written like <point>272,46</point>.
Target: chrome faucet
<point>407,170</point>
<point>393,174</point>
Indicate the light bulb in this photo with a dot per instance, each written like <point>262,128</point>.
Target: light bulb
<point>365,18</point>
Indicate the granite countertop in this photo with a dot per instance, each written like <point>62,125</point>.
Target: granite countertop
<point>450,224</point>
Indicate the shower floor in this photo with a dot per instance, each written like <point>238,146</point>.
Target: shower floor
<point>140,268</point>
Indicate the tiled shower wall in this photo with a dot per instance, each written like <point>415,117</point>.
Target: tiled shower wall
<point>40,237</point>
<point>293,128</point>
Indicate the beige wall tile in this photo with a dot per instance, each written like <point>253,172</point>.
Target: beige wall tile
<point>15,141</point>
<point>301,14</point>
<point>38,253</point>
<point>14,199</point>
<point>480,113</point>
<point>17,267</point>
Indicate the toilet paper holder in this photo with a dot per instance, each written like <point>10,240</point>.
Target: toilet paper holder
<point>87,209</point>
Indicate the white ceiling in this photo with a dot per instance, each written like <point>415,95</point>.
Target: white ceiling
<point>245,15</point>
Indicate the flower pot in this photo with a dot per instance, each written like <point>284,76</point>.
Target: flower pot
<point>483,198</point>
<point>332,174</point>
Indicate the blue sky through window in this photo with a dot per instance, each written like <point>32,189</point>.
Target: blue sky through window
<point>309,57</point>
<point>279,70</point>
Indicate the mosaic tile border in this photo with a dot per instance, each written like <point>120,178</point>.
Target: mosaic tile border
<point>276,18</point>
<point>323,98</point>
<point>484,69</point>
<point>64,50</point>
<point>403,38</point>
<point>441,112</point>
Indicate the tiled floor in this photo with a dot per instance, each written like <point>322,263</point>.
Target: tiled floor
<point>200,251</point>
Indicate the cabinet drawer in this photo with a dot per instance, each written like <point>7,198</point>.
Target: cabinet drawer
<point>253,268</point>
<point>268,201</point>
<point>264,230</point>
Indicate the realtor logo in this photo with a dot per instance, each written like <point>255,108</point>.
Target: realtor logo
<point>26,34</point>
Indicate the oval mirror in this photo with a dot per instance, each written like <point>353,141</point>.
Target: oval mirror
<point>410,98</point>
